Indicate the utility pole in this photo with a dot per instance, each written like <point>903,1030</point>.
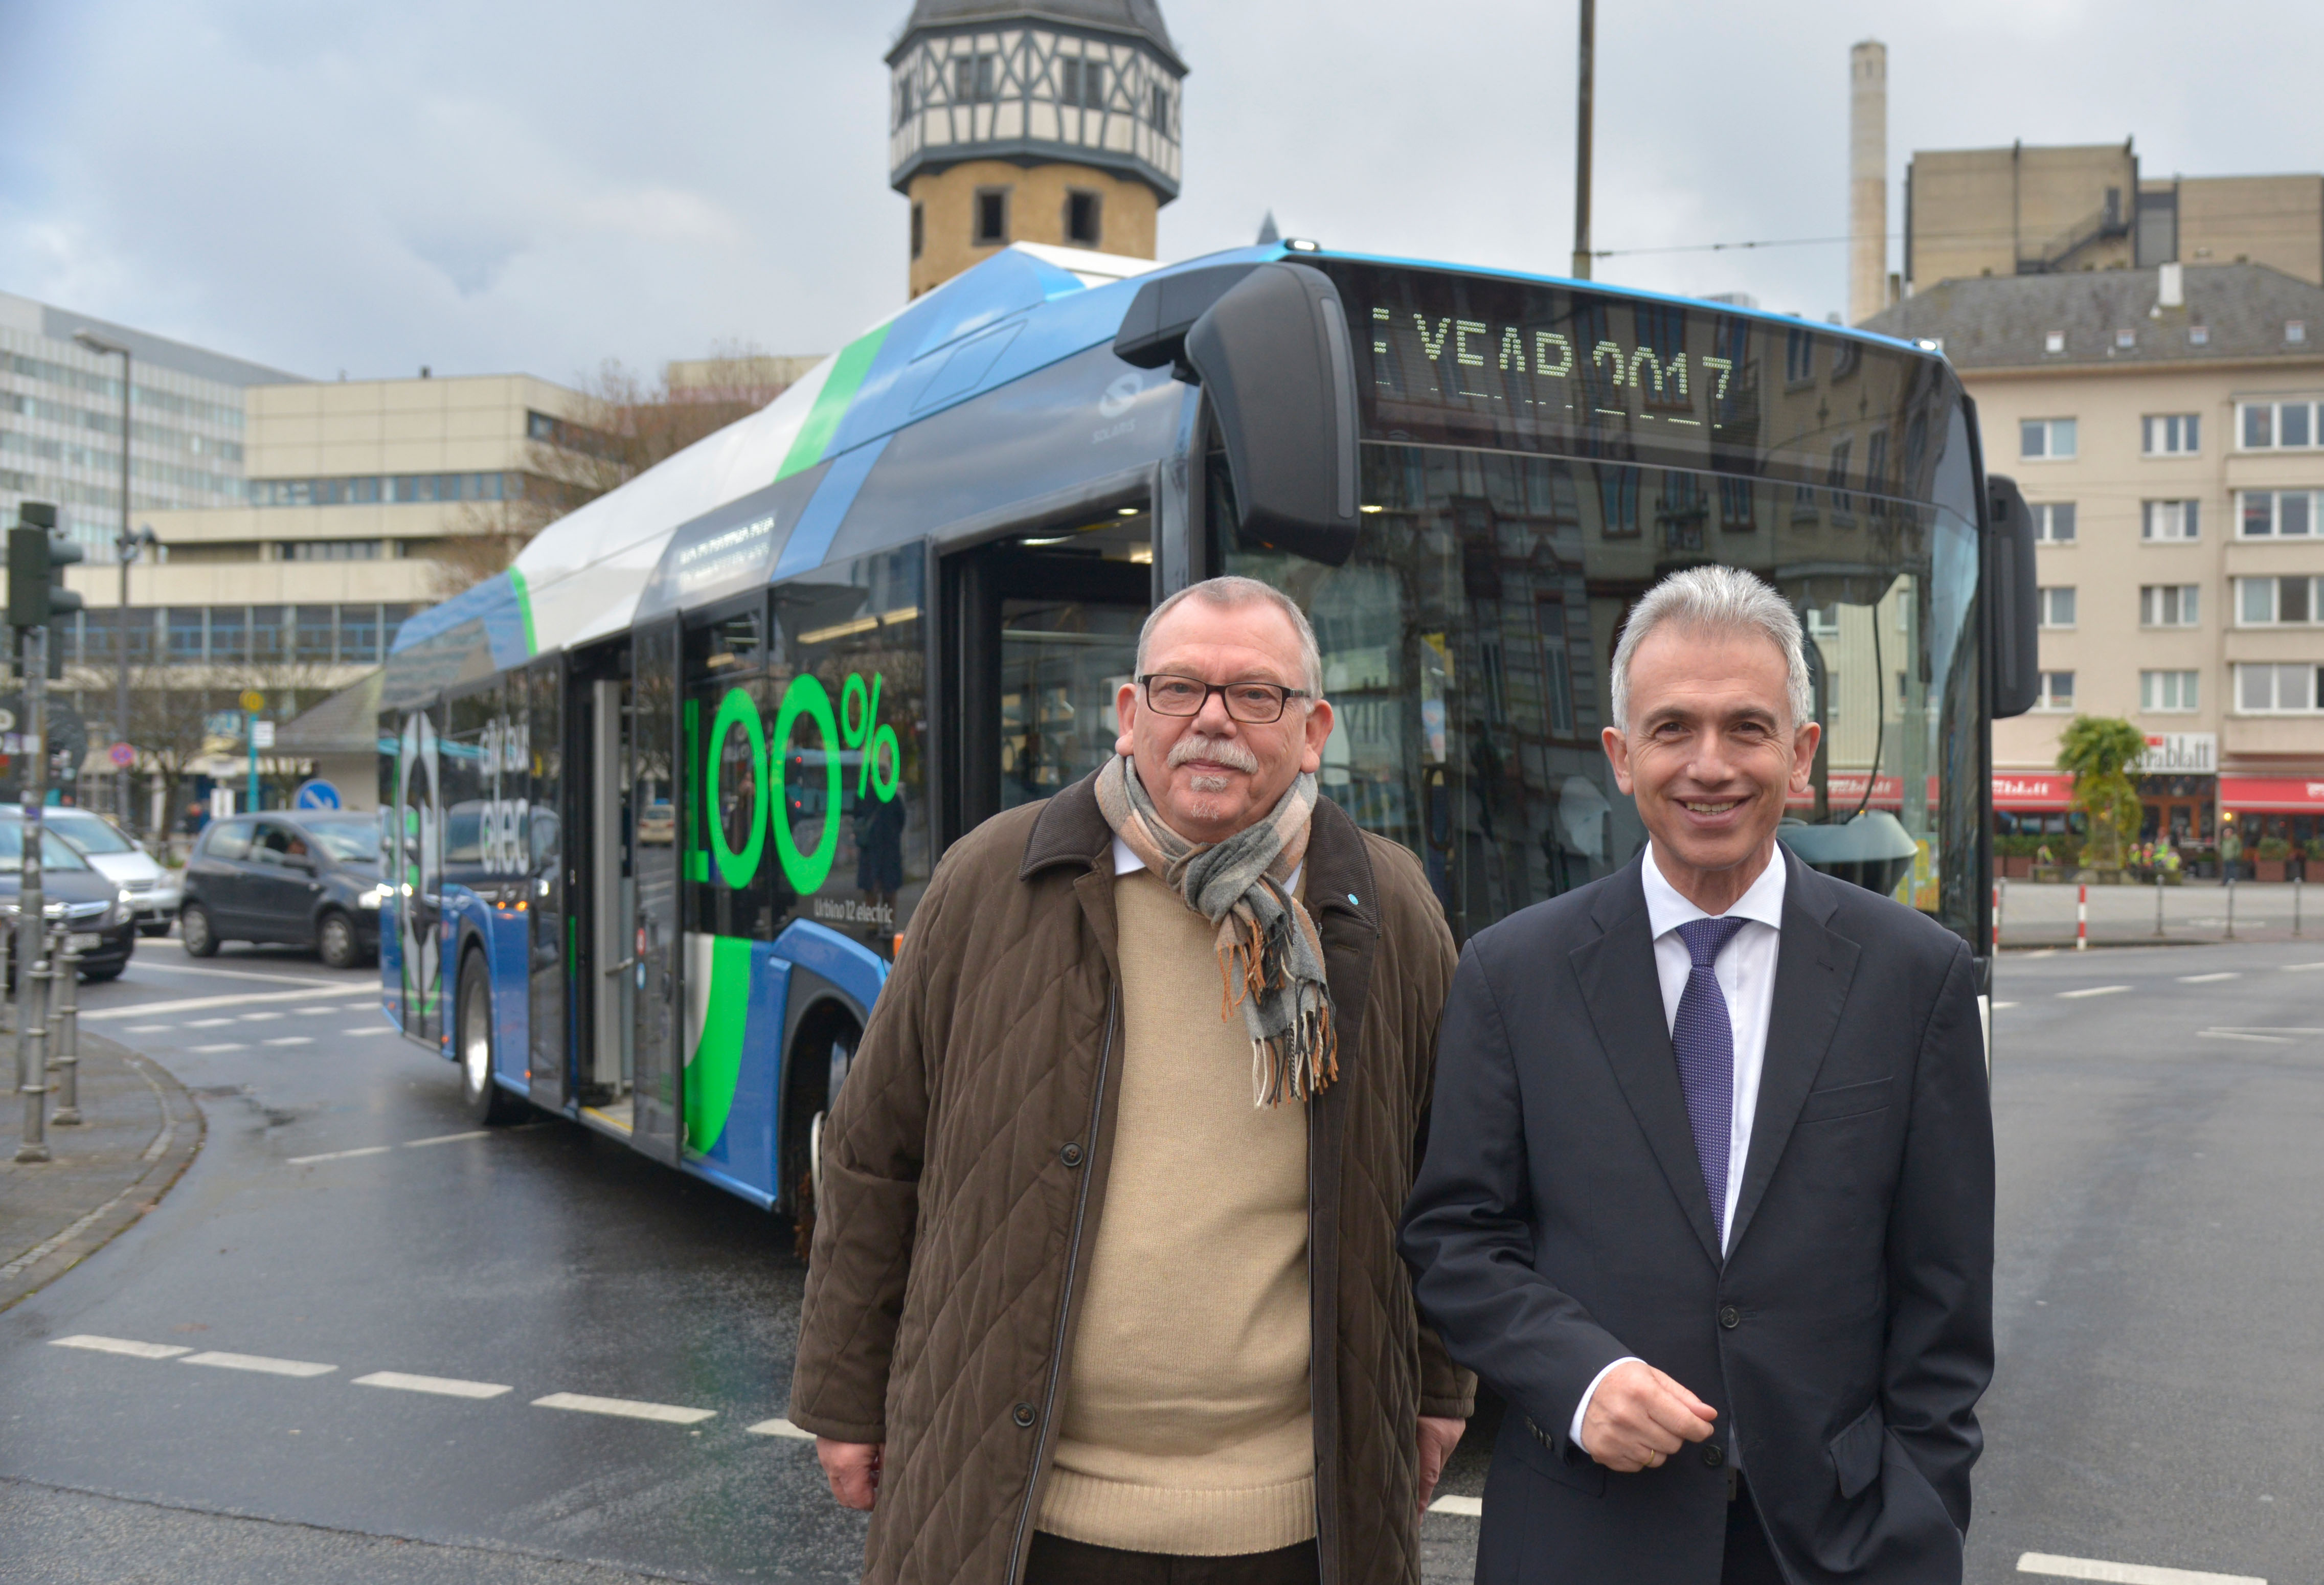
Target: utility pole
<point>123,546</point>
<point>37,559</point>
<point>1581,256</point>
<point>126,550</point>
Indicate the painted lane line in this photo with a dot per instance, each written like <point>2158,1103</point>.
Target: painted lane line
<point>148,1029</point>
<point>2003,1006</point>
<point>628,1408</point>
<point>259,1018</point>
<point>316,1012</point>
<point>213,1050</point>
<point>441,1386</point>
<point>2090,990</point>
<point>339,1155</point>
<point>146,1010</point>
<point>241,973</point>
<point>447,1139</point>
<point>2209,979</point>
<point>2239,1035</point>
<point>2299,968</point>
<point>1467,1507</point>
<point>368,1029</point>
<point>119,1345</point>
<point>779,1426</point>
<point>258,1362</point>
<point>2084,1568</point>
<point>206,1023</point>
<point>291,1040</point>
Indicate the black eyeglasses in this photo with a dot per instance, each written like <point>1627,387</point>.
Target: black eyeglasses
<point>1254,704</point>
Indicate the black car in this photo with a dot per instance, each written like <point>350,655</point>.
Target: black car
<point>307,877</point>
<point>102,918</point>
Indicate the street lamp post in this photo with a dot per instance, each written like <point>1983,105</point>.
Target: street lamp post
<point>123,544</point>
<point>127,547</point>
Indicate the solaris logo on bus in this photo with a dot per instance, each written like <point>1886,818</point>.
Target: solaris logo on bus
<point>853,732</point>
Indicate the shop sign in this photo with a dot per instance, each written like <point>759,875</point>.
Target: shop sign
<point>2282,795</point>
<point>2181,753</point>
<point>2033,791</point>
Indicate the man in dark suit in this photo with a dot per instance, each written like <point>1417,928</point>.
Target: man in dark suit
<point>1709,1198</point>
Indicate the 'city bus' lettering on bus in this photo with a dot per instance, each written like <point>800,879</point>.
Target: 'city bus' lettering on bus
<point>852,735</point>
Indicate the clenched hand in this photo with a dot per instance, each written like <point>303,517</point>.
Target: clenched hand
<point>1639,1417</point>
<point>852,1468</point>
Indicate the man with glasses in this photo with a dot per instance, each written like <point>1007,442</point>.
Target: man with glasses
<point>1104,1281</point>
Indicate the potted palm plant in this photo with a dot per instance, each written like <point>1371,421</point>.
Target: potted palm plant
<point>2098,751</point>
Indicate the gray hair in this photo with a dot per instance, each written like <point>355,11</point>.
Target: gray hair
<point>1717,599</point>
<point>1228,592</point>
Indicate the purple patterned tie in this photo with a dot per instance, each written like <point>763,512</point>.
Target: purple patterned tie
<point>1704,1037</point>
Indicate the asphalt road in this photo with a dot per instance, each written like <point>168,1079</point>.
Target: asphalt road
<point>2160,1287</point>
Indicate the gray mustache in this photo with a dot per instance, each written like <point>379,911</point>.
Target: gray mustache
<point>1218,750</point>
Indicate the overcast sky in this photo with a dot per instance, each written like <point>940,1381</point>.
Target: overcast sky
<point>538,185</point>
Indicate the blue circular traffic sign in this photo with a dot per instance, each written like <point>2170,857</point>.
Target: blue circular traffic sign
<point>316,794</point>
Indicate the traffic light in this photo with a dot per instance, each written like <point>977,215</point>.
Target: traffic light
<point>37,559</point>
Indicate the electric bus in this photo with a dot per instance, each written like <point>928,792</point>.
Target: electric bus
<point>661,798</point>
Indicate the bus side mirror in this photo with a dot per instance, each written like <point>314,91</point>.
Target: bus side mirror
<point>1271,352</point>
<point>2014,624</point>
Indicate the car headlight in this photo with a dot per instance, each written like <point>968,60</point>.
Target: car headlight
<point>371,898</point>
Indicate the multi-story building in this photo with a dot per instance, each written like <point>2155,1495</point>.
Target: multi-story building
<point>2167,428</point>
<point>61,420</point>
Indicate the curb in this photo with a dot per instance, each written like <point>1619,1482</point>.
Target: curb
<point>165,1160</point>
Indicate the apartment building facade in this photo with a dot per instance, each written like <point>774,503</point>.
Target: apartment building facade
<point>2167,428</point>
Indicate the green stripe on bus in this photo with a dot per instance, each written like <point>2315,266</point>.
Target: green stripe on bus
<point>524,608</point>
<point>716,1061</point>
<point>846,378</point>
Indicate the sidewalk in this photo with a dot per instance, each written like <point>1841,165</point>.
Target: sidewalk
<point>141,1129</point>
<point>2042,913</point>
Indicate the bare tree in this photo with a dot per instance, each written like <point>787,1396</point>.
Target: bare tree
<point>634,423</point>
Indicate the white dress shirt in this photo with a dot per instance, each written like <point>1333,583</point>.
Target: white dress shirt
<point>1746,971</point>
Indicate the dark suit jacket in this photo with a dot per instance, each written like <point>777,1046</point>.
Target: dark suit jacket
<point>1560,1222</point>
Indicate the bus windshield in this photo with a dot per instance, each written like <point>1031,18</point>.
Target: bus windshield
<point>1534,459</point>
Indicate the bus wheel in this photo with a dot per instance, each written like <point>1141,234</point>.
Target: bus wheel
<point>487,1102</point>
<point>824,1050</point>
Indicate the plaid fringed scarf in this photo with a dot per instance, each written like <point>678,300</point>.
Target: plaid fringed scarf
<point>1270,959</point>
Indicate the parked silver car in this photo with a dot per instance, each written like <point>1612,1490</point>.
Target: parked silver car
<point>154,890</point>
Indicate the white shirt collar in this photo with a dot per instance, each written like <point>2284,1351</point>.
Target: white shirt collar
<point>1667,909</point>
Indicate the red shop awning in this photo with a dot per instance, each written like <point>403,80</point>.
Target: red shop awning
<point>2272,794</point>
<point>2033,791</point>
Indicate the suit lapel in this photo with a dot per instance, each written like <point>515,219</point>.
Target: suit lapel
<point>1814,969</point>
<point>1624,997</point>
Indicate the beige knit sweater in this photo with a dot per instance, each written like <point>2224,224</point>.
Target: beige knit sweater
<point>1186,1423</point>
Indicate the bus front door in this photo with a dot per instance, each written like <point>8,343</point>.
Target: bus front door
<point>653,799</point>
<point>607,1068</point>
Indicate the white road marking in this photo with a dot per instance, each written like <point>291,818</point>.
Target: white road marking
<point>340,1155</point>
<point>206,1023</point>
<point>2000,1006</point>
<point>260,1017</point>
<point>629,1408</point>
<point>258,1362</point>
<point>148,1029</point>
<point>2084,1568</point>
<point>119,1345</point>
<point>368,1029</point>
<point>442,1385</point>
<point>2299,968</point>
<point>235,974</point>
<point>445,1138</point>
<point>1467,1507</point>
<point>2090,990</point>
<point>146,1010</point>
<point>779,1426</point>
<point>289,1040</point>
<point>2209,979</point>
<point>211,1050</point>
<point>2239,1035</point>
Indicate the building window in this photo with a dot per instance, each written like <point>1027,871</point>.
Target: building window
<point>333,549</point>
<point>2057,606</point>
<point>2166,691</point>
<point>2124,339</point>
<point>2277,690</point>
<point>1799,357</point>
<point>991,216</point>
<point>359,634</point>
<point>903,100</point>
<point>1736,499</point>
<point>976,79</point>
<point>2278,425</point>
<point>2045,439</point>
<point>2295,331</point>
<point>1081,219</point>
<point>2053,341</point>
<point>312,636</point>
<point>919,229</point>
<point>2275,602</point>
<point>1082,84</point>
<point>2170,520</point>
<point>2053,522</point>
<point>2174,434</point>
<point>2168,606</point>
<point>2057,691</point>
<point>2198,335</point>
<point>185,633</point>
<point>2280,514</point>
<point>1158,113</point>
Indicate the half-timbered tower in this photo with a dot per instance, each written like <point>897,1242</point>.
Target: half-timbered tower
<point>1052,122</point>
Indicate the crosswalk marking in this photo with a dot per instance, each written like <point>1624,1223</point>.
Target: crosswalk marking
<point>2209,979</point>
<point>366,1029</point>
<point>1467,1507</point>
<point>341,1154</point>
<point>2084,1568</point>
<point>213,1050</point>
<point>2090,990</point>
<point>289,1040</point>
<point>441,1386</point>
<point>146,1010</point>
<point>147,1029</point>
<point>258,1362</point>
<point>627,1408</point>
<point>119,1345</point>
<point>206,1023</point>
<point>779,1426</point>
<point>447,1139</point>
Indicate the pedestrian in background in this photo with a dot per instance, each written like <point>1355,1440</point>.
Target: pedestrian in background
<point>1104,1282</point>
<point>1711,1200</point>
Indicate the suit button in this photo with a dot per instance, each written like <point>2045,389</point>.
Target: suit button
<point>1713,1454</point>
<point>1729,1317</point>
<point>1024,1417</point>
<point>1071,1155</point>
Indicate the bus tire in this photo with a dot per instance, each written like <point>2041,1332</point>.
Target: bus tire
<point>194,925</point>
<point>828,1033</point>
<point>487,1104</point>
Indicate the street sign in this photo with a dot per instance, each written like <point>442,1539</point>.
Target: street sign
<point>253,700</point>
<point>318,794</point>
<point>122,755</point>
<point>262,734</point>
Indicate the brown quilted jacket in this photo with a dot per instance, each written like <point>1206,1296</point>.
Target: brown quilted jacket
<point>964,1173</point>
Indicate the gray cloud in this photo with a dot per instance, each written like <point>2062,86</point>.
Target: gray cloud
<point>538,185</point>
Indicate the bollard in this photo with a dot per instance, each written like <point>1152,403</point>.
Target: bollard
<point>2158,902</point>
<point>2296,883</point>
<point>32,1067</point>
<point>2083,919</point>
<point>64,1030</point>
<point>2231,902</point>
